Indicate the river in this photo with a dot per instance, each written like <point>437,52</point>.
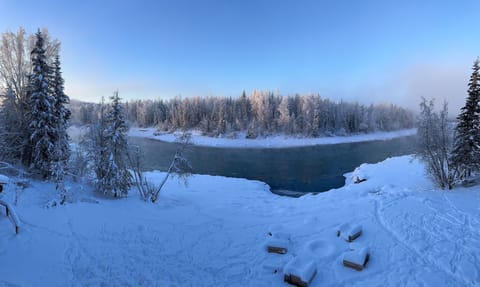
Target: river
<point>300,169</point>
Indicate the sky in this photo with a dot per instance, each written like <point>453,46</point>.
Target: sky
<point>367,51</point>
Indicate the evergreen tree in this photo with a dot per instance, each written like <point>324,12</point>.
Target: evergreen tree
<point>61,117</point>
<point>466,152</point>
<point>61,112</point>
<point>15,83</point>
<point>97,145</point>
<point>113,176</point>
<point>40,147</point>
<point>244,108</point>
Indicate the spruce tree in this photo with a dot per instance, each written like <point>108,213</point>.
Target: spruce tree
<point>466,152</point>
<point>61,117</point>
<point>41,144</point>
<point>61,112</point>
<point>113,176</point>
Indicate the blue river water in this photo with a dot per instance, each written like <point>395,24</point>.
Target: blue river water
<point>301,169</point>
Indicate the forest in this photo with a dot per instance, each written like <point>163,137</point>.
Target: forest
<point>260,113</point>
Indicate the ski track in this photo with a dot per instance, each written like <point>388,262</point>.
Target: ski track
<point>435,229</point>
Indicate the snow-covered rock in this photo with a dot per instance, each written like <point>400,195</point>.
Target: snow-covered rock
<point>277,245</point>
<point>356,258</point>
<point>349,232</point>
<point>300,271</point>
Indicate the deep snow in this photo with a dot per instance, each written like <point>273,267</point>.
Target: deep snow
<point>276,141</point>
<point>213,233</point>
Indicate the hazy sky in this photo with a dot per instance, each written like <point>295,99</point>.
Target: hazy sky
<point>370,51</point>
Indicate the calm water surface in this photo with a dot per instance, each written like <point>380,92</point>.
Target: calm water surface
<point>304,169</point>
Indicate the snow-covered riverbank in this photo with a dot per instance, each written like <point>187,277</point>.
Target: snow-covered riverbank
<point>213,233</point>
<point>278,141</point>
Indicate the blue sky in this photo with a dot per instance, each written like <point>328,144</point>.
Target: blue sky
<point>370,51</point>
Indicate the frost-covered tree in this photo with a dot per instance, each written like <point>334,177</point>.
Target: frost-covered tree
<point>61,112</point>
<point>15,70</point>
<point>11,138</point>
<point>96,143</point>
<point>40,147</point>
<point>264,113</point>
<point>435,144</point>
<point>61,117</point>
<point>113,177</point>
<point>284,115</point>
<point>466,151</point>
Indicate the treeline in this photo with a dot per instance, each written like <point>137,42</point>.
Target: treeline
<point>260,113</point>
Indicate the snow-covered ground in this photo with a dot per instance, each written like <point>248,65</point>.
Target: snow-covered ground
<point>213,233</point>
<point>277,141</point>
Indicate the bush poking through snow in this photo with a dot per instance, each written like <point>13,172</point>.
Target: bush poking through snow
<point>435,144</point>
<point>179,166</point>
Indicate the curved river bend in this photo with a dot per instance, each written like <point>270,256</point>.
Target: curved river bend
<point>302,169</point>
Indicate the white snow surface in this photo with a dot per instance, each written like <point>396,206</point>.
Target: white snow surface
<point>212,233</point>
<point>275,141</point>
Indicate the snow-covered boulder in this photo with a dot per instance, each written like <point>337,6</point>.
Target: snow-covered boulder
<point>299,271</point>
<point>277,245</point>
<point>349,232</point>
<point>356,259</point>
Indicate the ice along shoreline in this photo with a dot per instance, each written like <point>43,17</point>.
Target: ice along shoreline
<point>275,141</point>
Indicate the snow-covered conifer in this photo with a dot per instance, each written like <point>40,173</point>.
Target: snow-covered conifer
<point>112,172</point>
<point>43,126</point>
<point>466,152</point>
<point>61,112</point>
<point>61,118</point>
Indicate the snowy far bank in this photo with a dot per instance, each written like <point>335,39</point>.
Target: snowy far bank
<point>214,233</point>
<point>277,141</point>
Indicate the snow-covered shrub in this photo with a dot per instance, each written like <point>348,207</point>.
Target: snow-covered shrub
<point>434,138</point>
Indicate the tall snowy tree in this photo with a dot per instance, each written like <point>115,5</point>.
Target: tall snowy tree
<point>61,118</point>
<point>466,152</point>
<point>61,112</point>
<point>284,115</point>
<point>43,126</point>
<point>113,176</point>
<point>15,70</point>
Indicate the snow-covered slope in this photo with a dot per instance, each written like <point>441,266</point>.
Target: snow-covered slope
<point>213,233</point>
<point>277,141</point>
